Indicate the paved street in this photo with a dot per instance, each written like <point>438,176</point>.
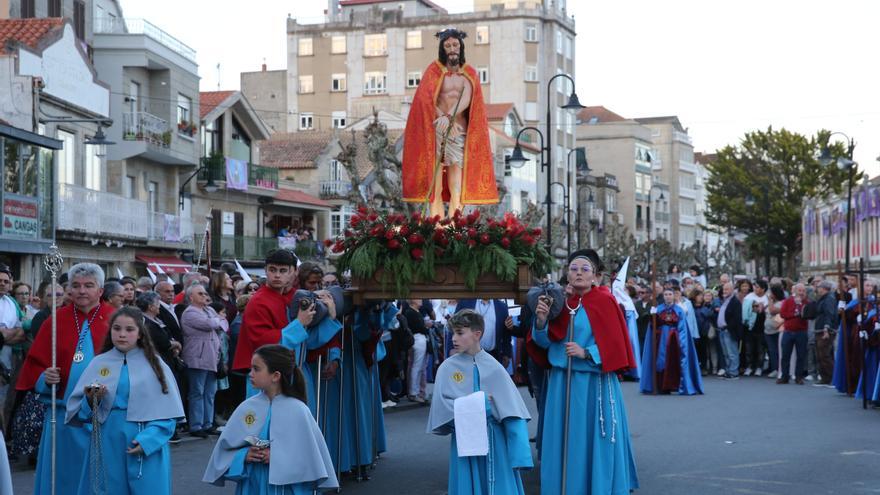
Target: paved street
<point>744,437</point>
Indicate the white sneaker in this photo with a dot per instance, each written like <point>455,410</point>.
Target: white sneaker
<point>747,372</point>
<point>721,372</point>
<point>773,374</point>
<point>388,403</point>
<point>759,372</point>
<point>809,378</point>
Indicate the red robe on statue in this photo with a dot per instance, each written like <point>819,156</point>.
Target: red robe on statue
<point>264,317</point>
<point>420,143</point>
<point>40,355</point>
<point>609,330</point>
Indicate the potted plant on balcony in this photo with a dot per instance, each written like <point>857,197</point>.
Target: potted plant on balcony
<point>166,138</point>
<point>128,136</point>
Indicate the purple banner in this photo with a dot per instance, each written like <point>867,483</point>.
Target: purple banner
<point>236,174</point>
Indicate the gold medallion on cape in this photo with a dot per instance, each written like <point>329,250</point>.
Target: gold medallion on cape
<point>458,377</point>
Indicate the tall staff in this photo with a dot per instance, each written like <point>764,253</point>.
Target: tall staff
<point>341,376</point>
<point>53,262</point>
<point>566,425</point>
<point>844,332</point>
<point>655,344</point>
<point>357,426</point>
<point>863,310</point>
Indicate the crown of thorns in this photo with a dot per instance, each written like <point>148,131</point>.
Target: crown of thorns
<point>450,33</point>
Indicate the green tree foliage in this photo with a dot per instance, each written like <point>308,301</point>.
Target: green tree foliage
<point>786,164</point>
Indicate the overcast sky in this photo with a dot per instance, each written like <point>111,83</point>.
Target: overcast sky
<point>723,67</point>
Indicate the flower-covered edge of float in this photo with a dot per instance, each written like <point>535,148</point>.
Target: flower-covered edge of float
<point>410,247</point>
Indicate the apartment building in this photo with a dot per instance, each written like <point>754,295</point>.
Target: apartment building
<point>672,162</point>
<point>370,54</point>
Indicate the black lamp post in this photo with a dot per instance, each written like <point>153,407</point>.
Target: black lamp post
<point>750,202</point>
<point>573,104</point>
<point>649,224</point>
<point>518,160</point>
<point>210,185</point>
<point>826,159</point>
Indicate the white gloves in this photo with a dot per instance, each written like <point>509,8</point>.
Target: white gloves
<point>859,319</point>
<point>841,306</point>
<point>863,335</point>
<point>877,326</point>
<point>653,310</point>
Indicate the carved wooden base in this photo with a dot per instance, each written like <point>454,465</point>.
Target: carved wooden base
<point>448,283</point>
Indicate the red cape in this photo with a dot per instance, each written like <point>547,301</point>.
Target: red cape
<point>40,355</point>
<point>264,317</point>
<point>419,143</point>
<point>609,330</point>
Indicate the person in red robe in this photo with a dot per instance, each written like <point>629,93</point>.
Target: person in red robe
<point>446,151</point>
<point>81,328</point>
<point>267,311</point>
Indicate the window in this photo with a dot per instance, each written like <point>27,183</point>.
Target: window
<point>569,46</point>
<point>339,220</point>
<point>67,158</point>
<point>28,9</point>
<point>532,73</point>
<point>54,8</point>
<point>79,19</point>
<point>128,186</point>
<point>640,187</point>
<point>306,121</point>
<point>335,171</point>
<point>228,225</point>
<point>305,84</point>
<point>687,181</point>
<point>93,168</point>
<point>413,79</point>
<point>337,82</point>
<point>532,33</point>
<point>483,72</point>
<point>687,207</point>
<point>686,155</point>
<point>531,110</point>
<point>337,44</point>
<point>482,35</point>
<point>413,39</point>
<point>374,83</point>
<point>184,108</point>
<point>134,92</point>
<point>305,47</point>
<point>559,48</point>
<point>610,201</point>
<point>339,119</point>
<point>375,45</point>
<point>153,201</point>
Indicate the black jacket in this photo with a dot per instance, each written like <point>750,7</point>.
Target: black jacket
<point>733,317</point>
<point>826,314</point>
<point>503,346</point>
<point>171,324</point>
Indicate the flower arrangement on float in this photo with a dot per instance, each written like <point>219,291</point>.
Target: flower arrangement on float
<point>408,248</point>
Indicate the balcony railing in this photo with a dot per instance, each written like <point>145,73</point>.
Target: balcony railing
<point>239,247</point>
<point>142,126</point>
<point>115,25</point>
<point>96,212</point>
<point>661,217</point>
<point>258,176</point>
<point>170,227</point>
<point>334,189</point>
<point>681,137</point>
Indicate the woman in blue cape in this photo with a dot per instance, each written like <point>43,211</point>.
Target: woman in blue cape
<point>271,444</point>
<point>677,367</point>
<point>589,333</point>
<point>133,428</point>
<point>497,416</point>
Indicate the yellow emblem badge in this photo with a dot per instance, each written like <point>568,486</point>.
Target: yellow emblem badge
<point>458,377</point>
<point>105,372</point>
<point>250,418</point>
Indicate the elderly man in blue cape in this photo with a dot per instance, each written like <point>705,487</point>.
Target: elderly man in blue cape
<point>847,360</point>
<point>137,411</point>
<point>476,402</point>
<point>362,420</point>
<point>677,366</point>
<point>618,289</point>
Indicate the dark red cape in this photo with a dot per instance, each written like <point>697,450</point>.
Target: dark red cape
<point>264,317</point>
<point>609,330</point>
<point>40,355</point>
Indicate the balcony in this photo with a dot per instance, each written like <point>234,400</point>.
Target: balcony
<point>687,192</point>
<point>681,137</point>
<point>661,217</point>
<point>334,189</point>
<point>686,166</point>
<point>169,228</point>
<point>265,178</point>
<point>241,248</point>
<point>687,219</point>
<point>142,126</point>
<point>100,213</point>
<point>115,25</point>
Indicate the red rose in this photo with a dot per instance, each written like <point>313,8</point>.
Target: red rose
<point>444,242</point>
<point>458,236</point>
<point>404,230</point>
<point>338,247</point>
<point>355,221</point>
<point>328,242</point>
<point>484,238</point>
<point>377,231</point>
<point>536,232</point>
<point>362,209</point>
<point>372,217</point>
<point>445,221</point>
<point>393,244</point>
<point>347,233</point>
<point>505,242</point>
<point>529,240</point>
<point>472,232</point>
<point>416,239</point>
<point>472,243</point>
<point>434,220</point>
<point>416,254</point>
<point>389,234</point>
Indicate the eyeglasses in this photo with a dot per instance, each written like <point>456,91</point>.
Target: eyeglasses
<point>583,269</point>
<point>22,293</point>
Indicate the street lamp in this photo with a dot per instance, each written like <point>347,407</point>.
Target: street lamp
<point>649,224</point>
<point>518,160</point>
<point>582,169</point>
<point>99,140</point>
<point>573,104</point>
<point>843,163</point>
<point>590,202</point>
<point>210,186</point>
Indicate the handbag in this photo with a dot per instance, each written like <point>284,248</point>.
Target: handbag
<point>778,320</point>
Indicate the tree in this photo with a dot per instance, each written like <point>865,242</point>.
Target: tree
<point>786,165</point>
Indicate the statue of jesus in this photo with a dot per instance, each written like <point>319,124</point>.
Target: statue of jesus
<point>446,151</point>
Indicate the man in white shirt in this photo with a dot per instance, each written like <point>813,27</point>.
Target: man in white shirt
<point>754,310</point>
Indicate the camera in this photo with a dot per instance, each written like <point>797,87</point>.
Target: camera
<point>546,300</point>
<point>306,303</point>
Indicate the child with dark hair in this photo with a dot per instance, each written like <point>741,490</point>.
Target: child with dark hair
<point>272,442</point>
<point>135,427</point>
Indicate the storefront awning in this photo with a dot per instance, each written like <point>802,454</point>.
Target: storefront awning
<point>169,264</point>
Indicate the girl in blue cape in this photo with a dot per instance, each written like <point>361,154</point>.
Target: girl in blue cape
<point>271,443</point>
<point>498,416</point>
<point>134,427</point>
<point>676,367</point>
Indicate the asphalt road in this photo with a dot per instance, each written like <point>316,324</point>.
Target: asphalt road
<point>749,436</point>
